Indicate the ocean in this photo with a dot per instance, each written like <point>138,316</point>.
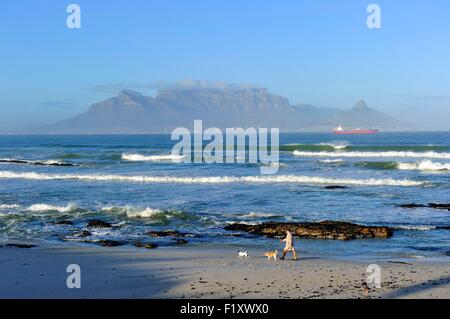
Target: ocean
<point>131,182</point>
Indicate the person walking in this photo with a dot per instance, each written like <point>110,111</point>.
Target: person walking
<point>289,246</point>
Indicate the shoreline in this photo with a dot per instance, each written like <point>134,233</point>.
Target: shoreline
<point>201,271</point>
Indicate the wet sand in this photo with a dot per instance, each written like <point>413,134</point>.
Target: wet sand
<point>206,272</point>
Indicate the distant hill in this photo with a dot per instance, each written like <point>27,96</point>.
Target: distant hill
<point>132,112</point>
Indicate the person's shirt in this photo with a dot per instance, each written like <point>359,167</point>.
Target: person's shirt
<point>288,240</point>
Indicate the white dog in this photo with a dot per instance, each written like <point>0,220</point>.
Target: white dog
<point>242,254</point>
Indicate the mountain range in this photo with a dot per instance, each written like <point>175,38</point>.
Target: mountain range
<point>130,112</point>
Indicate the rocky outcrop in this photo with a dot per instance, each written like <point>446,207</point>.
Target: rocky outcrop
<point>109,243</point>
<point>168,233</point>
<point>412,205</point>
<point>321,230</point>
<point>145,245</point>
<point>98,224</point>
<point>20,245</point>
<point>335,187</point>
<point>430,205</point>
<point>439,206</point>
<point>46,163</point>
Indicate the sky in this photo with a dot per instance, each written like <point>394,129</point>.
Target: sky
<point>317,52</point>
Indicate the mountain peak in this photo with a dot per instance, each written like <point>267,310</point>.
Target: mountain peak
<point>361,105</point>
<point>130,93</point>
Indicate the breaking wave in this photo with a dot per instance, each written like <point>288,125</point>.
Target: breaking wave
<point>258,215</point>
<point>425,165</point>
<point>333,146</point>
<point>332,161</point>
<point>295,179</point>
<point>336,145</point>
<point>314,147</point>
<point>415,227</point>
<point>408,154</point>
<point>133,212</point>
<point>150,214</point>
<point>9,206</point>
<point>46,207</point>
<point>151,158</point>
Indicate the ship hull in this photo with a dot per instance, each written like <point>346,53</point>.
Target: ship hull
<point>356,132</point>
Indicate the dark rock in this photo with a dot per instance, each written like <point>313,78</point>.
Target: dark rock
<point>13,161</point>
<point>145,245</point>
<point>109,243</point>
<point>398,262</point>
<point>439,206</point>
<point>98,223</point>
<point>20,245</point>
<point>54,164</point>
<point>321,230</point>
<point>62,222</point>
<point>166,233</point>
<point>335,187</point>
<point>181,241</point>
<point>430,205</point>
<point>412,206</point>
<point>17,161</point>
<point>443,227</point>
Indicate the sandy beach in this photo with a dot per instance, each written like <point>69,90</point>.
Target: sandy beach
<point>207,272</point>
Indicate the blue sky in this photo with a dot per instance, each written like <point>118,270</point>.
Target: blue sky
<point>318,52</point>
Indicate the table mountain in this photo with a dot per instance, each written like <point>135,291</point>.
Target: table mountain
<point>132,112</point>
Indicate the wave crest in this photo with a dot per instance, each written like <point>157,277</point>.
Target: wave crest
<point>332,161</point>
<point>415,227</point>
<point>9,206</point>
<point>46,207</point>
<point>295,179</point>
<point>426,165</point>
<point>151,158</point>
<point>373,154</point>
<point>153,215</point>
<point>258,215</point>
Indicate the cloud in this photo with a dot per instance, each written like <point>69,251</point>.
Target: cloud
<point>187,84</point>
<point>192,84</point>
<point>116,88</point>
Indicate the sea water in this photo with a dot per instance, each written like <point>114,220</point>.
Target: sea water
<point>132,182</point>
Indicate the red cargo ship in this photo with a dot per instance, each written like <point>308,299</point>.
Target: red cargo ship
<point>340,130</point>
